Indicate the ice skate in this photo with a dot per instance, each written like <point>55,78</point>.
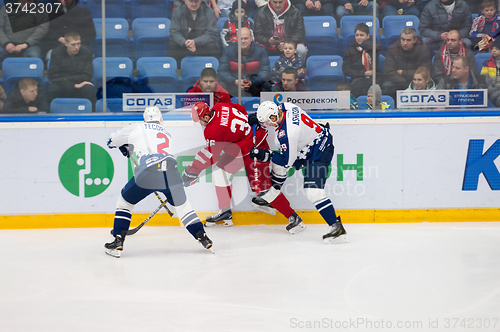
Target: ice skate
<point>114,248</point>
<point>336,233</point>
<point>295,224</point>
<point>261,204</point>
<point>221,218</point>
<point>205,241</point>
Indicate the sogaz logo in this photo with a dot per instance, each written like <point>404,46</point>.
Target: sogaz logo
<point>86,170</point>
<point>422,99</point>
<point>149,101</point>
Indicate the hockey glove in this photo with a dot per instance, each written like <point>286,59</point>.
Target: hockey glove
<point>252,120</point>
<point>261,154</point>
<point>188,178</point>
<point>127,150</point>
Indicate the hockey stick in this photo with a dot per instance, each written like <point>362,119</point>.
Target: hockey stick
<point>156,193</point>
<point>163,205</point>
<point>255,170</point>
<point>135,230</point>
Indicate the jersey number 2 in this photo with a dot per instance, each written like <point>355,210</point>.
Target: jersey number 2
<point>163,145</point>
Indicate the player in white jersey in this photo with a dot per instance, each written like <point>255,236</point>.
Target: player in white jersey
<point>303,143</point>
<point>156,171</point>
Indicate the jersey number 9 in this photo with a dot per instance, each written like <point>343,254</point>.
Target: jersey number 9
<point>310,123</point>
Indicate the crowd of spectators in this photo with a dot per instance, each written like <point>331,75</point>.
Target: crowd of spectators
<point>441,54</point>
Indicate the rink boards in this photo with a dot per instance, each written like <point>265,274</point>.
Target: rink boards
<point>61,173</point>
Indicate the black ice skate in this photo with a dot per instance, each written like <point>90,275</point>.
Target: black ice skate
<point>261,204</point>
<point>336,233</point>
<point>114,248</point>
<point>295,224</point>
<point>205,241</point>
<point>221,218</point>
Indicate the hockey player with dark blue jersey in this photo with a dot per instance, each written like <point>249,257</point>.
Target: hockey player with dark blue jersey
<point>157,171</point>
<point>303,144</point>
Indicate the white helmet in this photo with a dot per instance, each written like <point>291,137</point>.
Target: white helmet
<point>153,114</point>
<point>265,110</point>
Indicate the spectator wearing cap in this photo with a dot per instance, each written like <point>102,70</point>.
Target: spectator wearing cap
<point>374,102</point>
<point>229,32</point>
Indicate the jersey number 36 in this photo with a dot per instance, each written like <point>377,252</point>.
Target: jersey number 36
<point>240,121</point>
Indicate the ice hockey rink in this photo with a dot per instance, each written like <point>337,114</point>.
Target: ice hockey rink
<point>389,277</point>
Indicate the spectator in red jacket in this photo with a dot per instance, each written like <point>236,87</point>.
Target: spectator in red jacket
<point>208,83</point>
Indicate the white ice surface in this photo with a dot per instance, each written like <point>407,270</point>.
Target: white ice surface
<point>427,277</point>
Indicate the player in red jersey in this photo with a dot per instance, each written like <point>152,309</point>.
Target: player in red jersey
<point>229,139</point>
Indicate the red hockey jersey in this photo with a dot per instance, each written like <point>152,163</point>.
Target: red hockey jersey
<point>227,131</point>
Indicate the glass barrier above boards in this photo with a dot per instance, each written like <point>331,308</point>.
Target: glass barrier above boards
<point>391,56</point>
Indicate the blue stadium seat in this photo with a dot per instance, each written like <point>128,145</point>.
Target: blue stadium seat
<point>114,8</point>
<point>70,105</point>
<point>393,24</point>
<point>348,24</point>
<point>192,66</point>
<point>151,36</point>
<point>273,59</point>
<point>16,68</point>
<point>324,72</point>
<point>112,105</point>
<point>480,58</point>
<point>157,74</point>
<point>117,41</point>
<point>118,76</point>
<point>250,103</point>
<point>381,60</point>
<point>321,35</point>
<point>149,8</point>
<point>384,99</point>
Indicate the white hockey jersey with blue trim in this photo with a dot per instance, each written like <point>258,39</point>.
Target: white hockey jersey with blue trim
<point>299,137</point>
<point>151,141</point>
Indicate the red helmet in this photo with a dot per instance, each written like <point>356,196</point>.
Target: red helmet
<point>199,110</point>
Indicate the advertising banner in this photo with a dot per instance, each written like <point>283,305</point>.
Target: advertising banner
<point>408,166</point>
<point>135,102</point>
<point>442,98</point>
<point>319,100</point>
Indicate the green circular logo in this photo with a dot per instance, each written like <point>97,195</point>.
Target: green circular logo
<point>86,170</point>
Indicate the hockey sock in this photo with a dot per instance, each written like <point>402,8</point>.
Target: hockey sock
<point>282,204</point>
<point>224,196</point>
<point>327,211</point>
<point>122,221</point>
<point>192,222</point>
<point>195,228</point>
